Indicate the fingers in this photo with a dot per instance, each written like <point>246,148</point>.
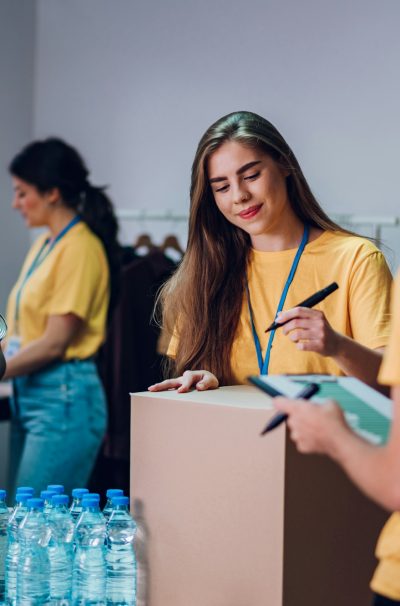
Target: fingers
<point>299,312</point>
<point>164,385</point>
<point>201,379</point>
<point>310,330</point>
<point>189,379</point>
<point>285,405</point>
<point>209,381</point>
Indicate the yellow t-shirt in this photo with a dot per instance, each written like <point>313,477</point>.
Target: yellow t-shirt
<point>358,309</point>
<point>72,278</point>
<point>386,580</point>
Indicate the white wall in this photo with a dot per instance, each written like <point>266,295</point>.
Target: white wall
<point>134,85</point>
<point>16,97</point>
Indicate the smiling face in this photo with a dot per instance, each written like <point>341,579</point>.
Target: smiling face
<point>249,188</point>
<point>34,206</point>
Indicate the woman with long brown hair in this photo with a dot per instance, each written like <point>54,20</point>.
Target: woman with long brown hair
<point>259,243</point>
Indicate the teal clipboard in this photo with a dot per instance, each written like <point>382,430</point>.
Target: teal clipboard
<point>367,412</point>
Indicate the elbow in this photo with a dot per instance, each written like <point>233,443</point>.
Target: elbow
<point>56,350</point>
<point>391,497</point>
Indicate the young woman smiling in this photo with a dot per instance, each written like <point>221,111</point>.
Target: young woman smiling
<point>57,315</point>
<point>258,244</point>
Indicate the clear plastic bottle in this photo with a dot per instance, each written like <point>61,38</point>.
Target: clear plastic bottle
<point>76,505</point>
<point>47,495</point>
<point>61,553</point>
<point>33,575</point>
<point>17,514</point>
<point>120,556</point>
<point>89,569</point>
<point>4,517</point>
<point>141,550</point>
<point>56,488</point>
<point>111,492</point>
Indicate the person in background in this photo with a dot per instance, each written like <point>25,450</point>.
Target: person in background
<point>375,470</point>
<point>259,243</point>
<point>57,313</point>
<point>3,332</point>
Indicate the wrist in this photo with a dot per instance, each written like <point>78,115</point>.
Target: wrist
<point>339,345</point>
<point>337,444</point>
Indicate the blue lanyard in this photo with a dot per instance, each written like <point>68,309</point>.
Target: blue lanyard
<point>38,260</point>
<point>264,364</point>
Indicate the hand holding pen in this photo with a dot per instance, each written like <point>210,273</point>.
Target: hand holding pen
<point>308,303</point>
<point>308,328</point>
<point>306,393</point>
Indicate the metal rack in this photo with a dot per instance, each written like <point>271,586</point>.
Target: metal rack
<point>375,223</point>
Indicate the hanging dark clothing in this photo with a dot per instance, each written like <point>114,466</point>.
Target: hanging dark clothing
<point>129,361</point>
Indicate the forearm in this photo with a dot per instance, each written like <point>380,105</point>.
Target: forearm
<point>358,361</point>
<point>375,470</point>
<point>32,357</point>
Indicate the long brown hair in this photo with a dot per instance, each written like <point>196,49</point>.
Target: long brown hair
<point>201,303</point>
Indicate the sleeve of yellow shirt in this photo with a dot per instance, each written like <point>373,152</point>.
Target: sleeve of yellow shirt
<point>75,280</point>
<point>369,301</point>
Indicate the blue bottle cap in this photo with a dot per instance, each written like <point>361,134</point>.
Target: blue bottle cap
<point>114,492</point>
<point>47,494</point>
<point>3,494</point>
<point>79,492</point>
<point>35,503</point>
<point>120,500</point>
<point>60,499</point>
<point>91,495</point>
<point>26,489</point>
<point>22,497</point>
<point>90,502</point>
<point>57,488</point>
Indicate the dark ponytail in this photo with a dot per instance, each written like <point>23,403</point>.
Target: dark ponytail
<point>52,163</point>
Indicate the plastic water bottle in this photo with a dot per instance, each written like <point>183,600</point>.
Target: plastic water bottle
<point>120,557</point>
<point>33,584</point>
<point>141,551</point>
<point>56,488</point>
<point>47,495</point>
<point>17,514</point>
<point>76,505</point>
<point>4,516</point>
<point>111,492</point>
<point>61,553</point>
<point>89,569</point>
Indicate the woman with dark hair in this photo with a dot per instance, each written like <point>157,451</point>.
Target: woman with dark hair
<point>258,244</point>
<point>57,314</point>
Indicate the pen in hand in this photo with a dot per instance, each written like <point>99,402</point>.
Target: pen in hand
<point>306,393</point>
<point>310,302</point>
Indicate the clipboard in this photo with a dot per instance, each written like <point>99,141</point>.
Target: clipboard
<point>367,412</point>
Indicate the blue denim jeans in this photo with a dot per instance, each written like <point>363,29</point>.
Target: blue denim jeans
<point>58,422</point>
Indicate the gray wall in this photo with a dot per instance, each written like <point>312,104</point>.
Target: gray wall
<point>17,21</point>
<point>134,84</point>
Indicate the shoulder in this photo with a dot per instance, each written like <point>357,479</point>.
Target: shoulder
<point>81,243</point>
<point>344,243</point>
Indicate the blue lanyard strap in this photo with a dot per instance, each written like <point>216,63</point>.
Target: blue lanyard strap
<point>264,364</point>
<point>44,251</point>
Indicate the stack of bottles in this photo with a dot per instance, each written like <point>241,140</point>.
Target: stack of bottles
<point>61,554</point>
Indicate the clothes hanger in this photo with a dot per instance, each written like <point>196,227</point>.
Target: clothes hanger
<point>144,240</point>
<point>171,242</point>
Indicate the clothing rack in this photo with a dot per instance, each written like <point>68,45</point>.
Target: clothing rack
<point>151,215</point>
<point>374,222</point>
